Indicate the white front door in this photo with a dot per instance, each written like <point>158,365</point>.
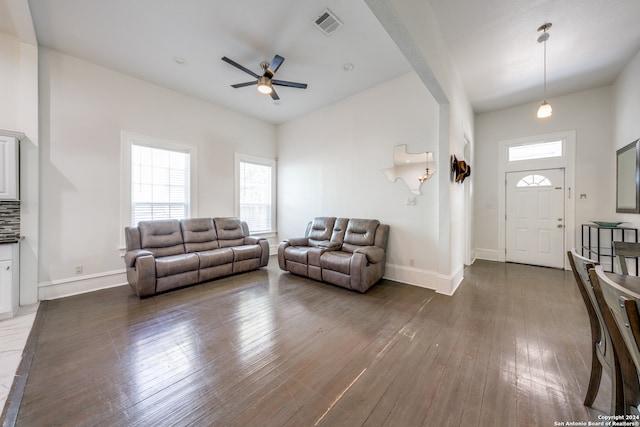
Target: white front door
<point>535,217</point>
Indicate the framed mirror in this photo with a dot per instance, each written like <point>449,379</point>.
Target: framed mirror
<point>628,178</point>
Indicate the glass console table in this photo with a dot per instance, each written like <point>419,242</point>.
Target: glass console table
<point>599,247</point>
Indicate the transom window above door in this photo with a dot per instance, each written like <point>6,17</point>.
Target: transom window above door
<point>534,181</point>
<point>535,150</point>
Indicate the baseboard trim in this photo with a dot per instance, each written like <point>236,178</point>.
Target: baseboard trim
<point>487,254</point>
<point>61,288</point>
<point>79,285</point>
<point>440,283</point>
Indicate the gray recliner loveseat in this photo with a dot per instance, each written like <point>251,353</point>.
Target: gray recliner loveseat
<point>169,254</point>
<point>350,253</point>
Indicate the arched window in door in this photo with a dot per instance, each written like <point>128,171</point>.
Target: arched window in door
<point>534,181</point>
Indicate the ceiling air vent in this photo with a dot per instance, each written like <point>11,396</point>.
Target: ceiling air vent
<point>327,22</point>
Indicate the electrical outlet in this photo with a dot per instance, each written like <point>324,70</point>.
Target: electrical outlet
<point>79,269</point>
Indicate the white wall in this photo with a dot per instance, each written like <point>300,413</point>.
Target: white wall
<point>330,163</point>
<point>412,25</point>
<point>9,75</point>
<point>19,113</point>
<point>626,104</point>
<point>83,109</point>
<point>626,108</point>
<point>589,114</point>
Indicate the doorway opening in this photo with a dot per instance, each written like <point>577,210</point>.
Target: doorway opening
<point>536,206</point>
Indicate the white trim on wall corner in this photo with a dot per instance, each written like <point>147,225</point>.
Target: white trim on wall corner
<point>440,283</point>
<point>81,284</point>
<point>474,256</point>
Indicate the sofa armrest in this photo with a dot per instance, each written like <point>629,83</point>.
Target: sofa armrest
<point>252,240</point>
<point>374,254</point>
<point>130,257</point>
<point>281,247</point>
<point>141,274</point>
<point>299,241</point>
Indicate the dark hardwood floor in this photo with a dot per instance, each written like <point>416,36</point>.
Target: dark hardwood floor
<point>510,348</point>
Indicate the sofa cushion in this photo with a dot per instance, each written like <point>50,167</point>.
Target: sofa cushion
<point>176,264</point>
<point>163,238</point>
<point>229,231</point>
<point>199,234</point>
<point>215,257</point>
<point>339,229</point>
<point>244,252</point>
<point>360,232</point>
<point>336,261</point>
<point>321,229</point>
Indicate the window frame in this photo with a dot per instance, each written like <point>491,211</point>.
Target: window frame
<point>544,182</point>
<point>262,161</point>
<point>127,139</point>
<point>547,141</point>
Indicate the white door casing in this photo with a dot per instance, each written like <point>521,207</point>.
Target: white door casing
<point>567,161</point>
<point>535,217</point>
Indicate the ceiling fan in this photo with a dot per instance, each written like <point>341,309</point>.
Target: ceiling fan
<point>265,82</point>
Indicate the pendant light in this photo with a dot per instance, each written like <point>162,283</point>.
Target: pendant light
<point>545,109</point>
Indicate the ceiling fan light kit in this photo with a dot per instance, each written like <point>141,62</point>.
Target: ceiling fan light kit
<point>545,109</point>
<point>265,82</point>
<point>264,85</point>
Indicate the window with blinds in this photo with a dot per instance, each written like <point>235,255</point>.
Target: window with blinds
<point>159,183</point>
<point>255,194</point>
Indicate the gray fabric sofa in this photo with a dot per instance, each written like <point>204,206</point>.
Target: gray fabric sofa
<point>350,253</point>
<point>170,254</point>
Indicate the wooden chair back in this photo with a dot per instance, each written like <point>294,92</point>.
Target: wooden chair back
<point>602,355</point>
<point>620,312</point>
<point>624,250</point>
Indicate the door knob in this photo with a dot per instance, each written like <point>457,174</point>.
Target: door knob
<point>560,225</point>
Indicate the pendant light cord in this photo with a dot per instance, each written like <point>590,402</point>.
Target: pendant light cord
<point>545,71</point>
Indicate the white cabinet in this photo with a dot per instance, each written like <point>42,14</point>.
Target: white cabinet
<point>9,279</point>
<point>8,168</point>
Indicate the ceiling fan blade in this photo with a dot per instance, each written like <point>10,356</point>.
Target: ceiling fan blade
<point>274,95</point>
<point>289,84</point>
<point>238,66</point>
<point>237,85</point>
<point>276,62</point>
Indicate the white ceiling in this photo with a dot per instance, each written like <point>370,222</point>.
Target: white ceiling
<point>140,38</point>
<point>492,42</point>
<point>494,46</point>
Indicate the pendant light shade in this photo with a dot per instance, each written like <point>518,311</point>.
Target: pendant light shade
<point>545,109</point>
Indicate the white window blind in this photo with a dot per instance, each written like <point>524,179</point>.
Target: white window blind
<point>255,195</point>
<point>159,183</point>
